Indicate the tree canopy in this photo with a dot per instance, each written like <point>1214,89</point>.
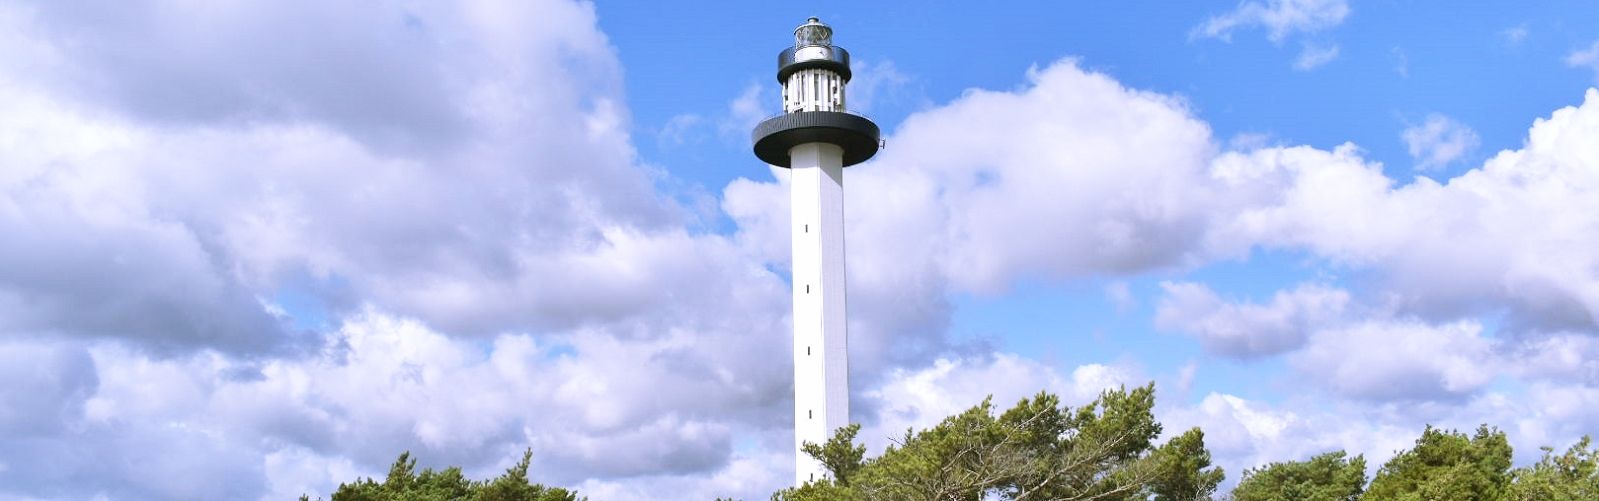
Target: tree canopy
<point>404,484</point>
<point>1447,465</point>
<point>1327,477</point>
<point>1570,476</point>
<point>1038,449</point>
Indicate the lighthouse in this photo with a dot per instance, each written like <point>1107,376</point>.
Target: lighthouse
<point>815,138</point>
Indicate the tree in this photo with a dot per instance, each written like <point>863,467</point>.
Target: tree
<point>1568,477</point>
<point>1182,475</point>
<point>1037,450</point>
<point>1447,465</point>
<point>839,455</point>
<point>404,484</point>
<point>1327,477</point>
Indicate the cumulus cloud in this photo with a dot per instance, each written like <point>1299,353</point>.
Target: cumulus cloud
<point>460,191</point>
<point>1561,358</point>
<point>1439,141</point>
<point>187,223</point>
<point>57,444</point>
<point>1399,360</point>
<point>383,384</point>
<point>1080,155</point>
<point>47,385</point>
<point>1503,235</point>
<point>1248,330</point>
<point>1280,18</point>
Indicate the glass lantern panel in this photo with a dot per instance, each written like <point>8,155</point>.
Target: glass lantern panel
<point>813,34</point>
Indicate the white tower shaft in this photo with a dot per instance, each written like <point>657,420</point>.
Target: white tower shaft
<point>821,361</point>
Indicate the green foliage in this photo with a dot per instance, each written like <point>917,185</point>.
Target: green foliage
<point>1447,465</point>
<point>1038,449</point>
<point>1182,464</point>
<point>404,484</point>
<point>1568,477</point>
<point>839,455</point>
<point>1327,477</point>
<point>1443,466</point>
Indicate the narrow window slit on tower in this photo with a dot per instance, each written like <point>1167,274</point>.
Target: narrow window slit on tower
<point>808,414</point>
<point>807,350</point>
<point>807,288</point>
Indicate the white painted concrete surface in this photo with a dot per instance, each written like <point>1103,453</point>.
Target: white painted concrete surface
<point>821,360</point>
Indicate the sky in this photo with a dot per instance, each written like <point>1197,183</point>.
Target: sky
<point>254,249</point>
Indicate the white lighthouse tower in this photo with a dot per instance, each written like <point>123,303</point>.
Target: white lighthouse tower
<point>815,138</point>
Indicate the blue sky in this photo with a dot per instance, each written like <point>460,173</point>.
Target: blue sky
<point>1397,62</point>
<point>279,243</point>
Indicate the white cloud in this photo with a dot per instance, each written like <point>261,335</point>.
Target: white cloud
<point>1503,236</point>
<point>1439,141</point>
<point>1247,330</point>
<point>1280,18</point>
<point>485,200</point>
<point>473,235</point>
<point>383,384</point>
<point>1484,243</point>
<point>1313,56</point>
<point>1585,58</point>
<point>1081,158</point>
<point>1399,360</point>
<point>47,386</point>
<point>1562,358</point>
<point>1234,426</point>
